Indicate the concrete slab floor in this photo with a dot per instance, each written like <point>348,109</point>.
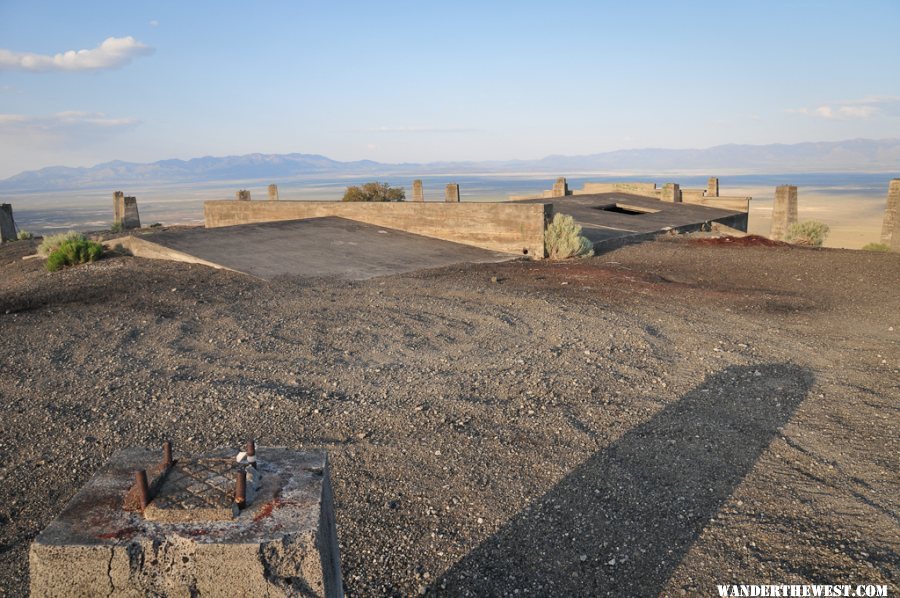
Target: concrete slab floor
<point>319,247</point>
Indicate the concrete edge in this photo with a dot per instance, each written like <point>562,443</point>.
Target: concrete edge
<point>146,249</point>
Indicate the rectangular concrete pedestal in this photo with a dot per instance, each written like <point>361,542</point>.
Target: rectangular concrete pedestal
<point>283,544</point>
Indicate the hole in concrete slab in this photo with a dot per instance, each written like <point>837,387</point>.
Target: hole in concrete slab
<point>525,251</point>
<point>621,208</point>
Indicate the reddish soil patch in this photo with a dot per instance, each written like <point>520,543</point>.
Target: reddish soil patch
<point>748,241</point>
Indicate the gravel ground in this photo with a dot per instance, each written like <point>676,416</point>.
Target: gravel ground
<point>652,421</point>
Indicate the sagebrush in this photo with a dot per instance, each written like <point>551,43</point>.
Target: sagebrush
<point>876,247</point>
<point>52,243</point>
<point>74,252</point>
<point>116,227</point>
<point>24,235</point>
<point>811,233</point>
<point>374,192</point>
<point>563,239</point>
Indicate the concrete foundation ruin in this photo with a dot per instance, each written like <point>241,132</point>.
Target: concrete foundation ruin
<point>451,193</point>
<point>242,195</point>
<point>125,211</point>
<point>273,192</point>
<point>890,235</point>
<point>418,194</point>
<point>7,223</point>
<point>145,526</point>
<point>561,187</point>
<point>784,211</point>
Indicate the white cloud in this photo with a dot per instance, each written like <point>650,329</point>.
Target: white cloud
<point>154,23</point>
<point>62,131</point>
<point>863,109</point>
<point>112,53</point>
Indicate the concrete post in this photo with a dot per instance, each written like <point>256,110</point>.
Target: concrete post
<point>712,187</point>
<point>451,194</point>
<point>671,192</point>
<point>132,218</point>
<point>242,195</point>
<point>784,211</point>
<point>560,187</point>
<point>7,223</point>
<point>273,192</point>
<point>418,192</point>
<point>118,207</point>
<point>890,235</point>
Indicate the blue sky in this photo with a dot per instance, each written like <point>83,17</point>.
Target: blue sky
<point>426,81</point>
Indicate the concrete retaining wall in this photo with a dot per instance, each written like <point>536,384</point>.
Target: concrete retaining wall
<point>739,204</point>
<point>7,223</point>
<point>508,227</point>
<point>632,188</point>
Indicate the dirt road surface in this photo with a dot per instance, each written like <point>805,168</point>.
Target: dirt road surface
<point>652,421</point>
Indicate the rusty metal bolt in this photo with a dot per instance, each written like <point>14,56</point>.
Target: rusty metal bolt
<point>140,479</point>
<point>251,453</point>
<point>167,453</point>
<point>240,489</point>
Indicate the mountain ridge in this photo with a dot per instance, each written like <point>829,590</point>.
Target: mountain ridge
<point>869,155</point>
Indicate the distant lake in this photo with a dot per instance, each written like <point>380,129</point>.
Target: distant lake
<point>851,204</point>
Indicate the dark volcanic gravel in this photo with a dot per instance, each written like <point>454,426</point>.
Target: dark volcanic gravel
<point>655,420</point>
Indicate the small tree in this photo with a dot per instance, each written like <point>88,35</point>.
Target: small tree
<point>809,233</point>
<point>374,192</point>
<point>563,239</point>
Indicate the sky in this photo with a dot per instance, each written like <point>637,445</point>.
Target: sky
<point>88,82</point>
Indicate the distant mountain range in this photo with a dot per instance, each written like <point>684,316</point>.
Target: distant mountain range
<point>856,155</point>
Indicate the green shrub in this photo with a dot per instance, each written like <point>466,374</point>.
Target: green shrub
<point>156,225</point>
<point>876,247</point>
<point>563,239</point>
<point>73,252</point>
<point>809,233</point>
<point>116,227</point>
<point>24,235</point>
<point>374,192</point>
<point>51,243</point>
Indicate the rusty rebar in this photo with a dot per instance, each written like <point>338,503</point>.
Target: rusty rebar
<point>240,488</point>
<point>167,453</point>
<point>251,453</point>
<point>140,479</point>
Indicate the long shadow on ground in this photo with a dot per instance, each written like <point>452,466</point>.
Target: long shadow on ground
<point>621,522</point>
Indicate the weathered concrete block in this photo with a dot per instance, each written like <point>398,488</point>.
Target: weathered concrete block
<point>7,223</point>
<point>418,191</point>
<point>125,211</point>
<point>712,187</point>
<point>560,188</point>
<point>273,192</point>
<point>242,195</point>
<point>451,193</point>
<point>284,543</point>
<point>890,235</point>
<point>784,211</point>
<point>671,192</point>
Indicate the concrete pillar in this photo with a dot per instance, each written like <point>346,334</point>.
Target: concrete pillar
<point>890,234</point>
<point>131,218</point>
<point>671,192</point>
<point>560,187</point>
<point>451,194</point>
<point>784,212</point>
<point>242,195</point>
<point>118,207</point>
<point>273,192</point>
<point>418,192</point>
<point>712,187</point>
<point>7,223</point>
